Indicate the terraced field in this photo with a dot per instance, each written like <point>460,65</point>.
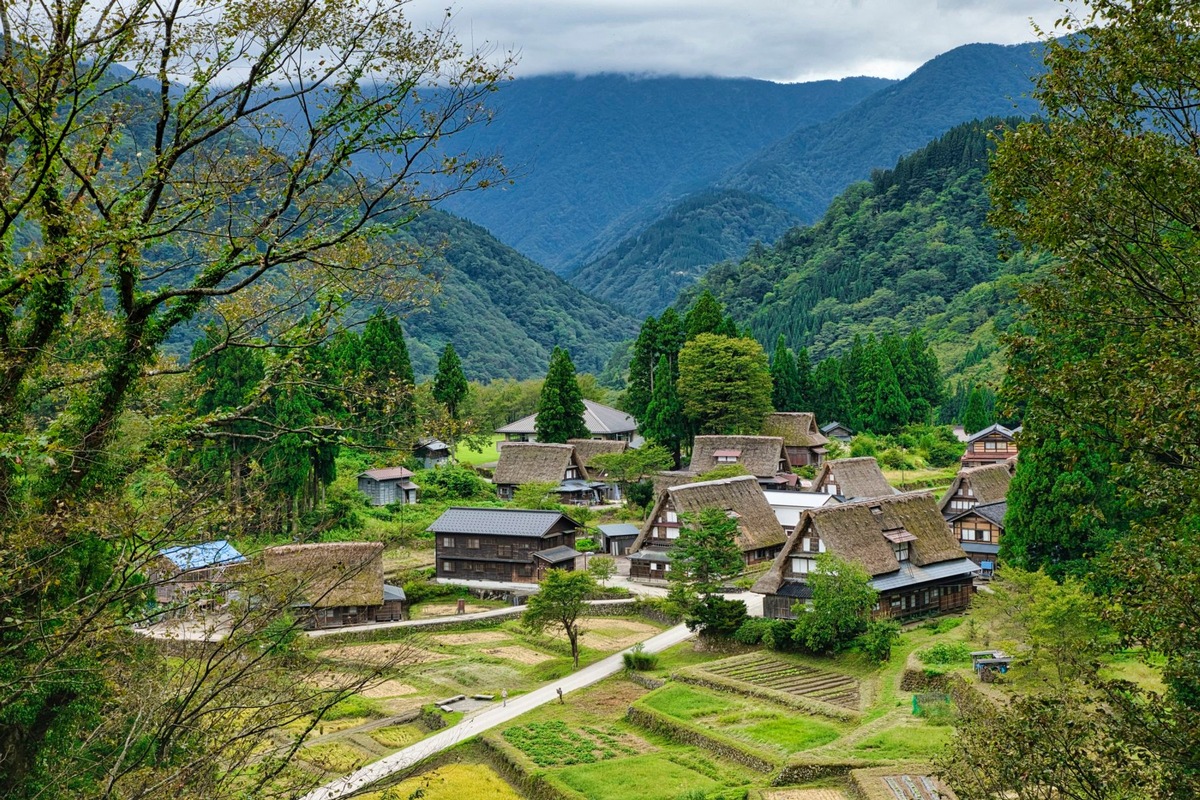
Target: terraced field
<point>769,672</point>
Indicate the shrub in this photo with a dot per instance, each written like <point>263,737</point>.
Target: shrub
<point>752,631</point>
<point>639,660</point>
<point>877,640</point>
<point>717,617</point>
<point>640,493</point>
<point>863,445</point>
<point>452,482</point>
<point>945,653</point>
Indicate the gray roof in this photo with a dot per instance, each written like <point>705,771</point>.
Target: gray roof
<point>828,426</point>
<point>983,548</point>
<point>429,443</point>
<point>651,554</point>
<point>910,574</point>
<point>498,521</point>
<point>387,474</point>
<point>598,418</point>
<point>797,589</point>
<point>619,530</point>
<point>997,428</point>
<point>993,512</point>
<point>393,593</point>
<point>557,555</point>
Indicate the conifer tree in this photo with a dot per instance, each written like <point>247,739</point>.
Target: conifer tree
<point>560,407</point>
<point>664,424</point>
<point>450,385</point>
<point>670,338</point>
<point>705,316</point>
<point>975,418</point>
<point>804,380</point>
<point>641,369</point>
<point>785,382</point>
<point>831,397</point>
<point>890,410</point>
<point>389,373</point>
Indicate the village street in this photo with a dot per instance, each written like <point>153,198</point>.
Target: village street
<point>490,718</point>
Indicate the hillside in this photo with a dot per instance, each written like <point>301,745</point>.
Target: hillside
<point>908,250</point>
<point>590,155</point>
<point>800,174</point>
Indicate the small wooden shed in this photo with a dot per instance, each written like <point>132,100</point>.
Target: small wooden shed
<point>389,485</point>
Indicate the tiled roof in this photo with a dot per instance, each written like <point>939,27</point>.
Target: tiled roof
<point>499,521</point>
<point>387,473</point>
<point>997,428</point>
<point>910,574</point>
<point>598,418</point>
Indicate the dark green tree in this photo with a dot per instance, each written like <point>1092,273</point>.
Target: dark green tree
<point>388,375</point>
<point>805,395</point>
<point>664,423</point>
<point>640,384</point>
<point>785,379</point>
<point>831,396</point>
<point>842,598</point>
<point>890,410</point>
<point>706,554</point>
<point>725,384</point>
<point>975,416</point>
<point>450,385</point>
<point>560,407</point>
<point>670,337</point>
<point>705,316</point>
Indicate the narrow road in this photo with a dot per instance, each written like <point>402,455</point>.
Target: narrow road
<point>487,719</point>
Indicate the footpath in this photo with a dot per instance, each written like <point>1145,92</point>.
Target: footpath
<point>489,718</point>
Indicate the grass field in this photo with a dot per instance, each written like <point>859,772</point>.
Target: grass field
<point>648,777</point>
<point>906,742</point>
<point>684,702</point>
<point>453,782</point>
<point>791,734</point>
<point>465,455</point>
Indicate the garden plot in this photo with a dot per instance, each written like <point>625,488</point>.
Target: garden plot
<point>556,744</point>
<point>515,652</point>
<point>768,672</point>
<point>396,655</point>
<point>804,794</point>
<point>472,637</point>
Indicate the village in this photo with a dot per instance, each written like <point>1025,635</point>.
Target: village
<point>706,717</point>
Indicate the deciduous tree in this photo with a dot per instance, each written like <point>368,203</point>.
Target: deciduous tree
<point>725,384</point>
<point>559,603</point>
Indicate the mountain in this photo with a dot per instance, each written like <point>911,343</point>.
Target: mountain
<point>591,156</point>
<point>801,173</point>
<point>909,250</point>
<point>503,312</point>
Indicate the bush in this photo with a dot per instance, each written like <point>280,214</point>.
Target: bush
<point>452,482</point>
<point>639,660</point>
<point>752,631</point>
<point>863,445</point>
<point>717,617</point>
<point>640,494</point>
<point>877,640</point>
<point>945,653</point>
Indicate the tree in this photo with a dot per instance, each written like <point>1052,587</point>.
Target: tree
<point>602,568</point>
<point>831,395</point>
<point>975,416</point>
<point>785,379</point>
<point>560,407</point>
<point>705,316</point>
<point>725,384</point>
<point>842,599</point>
<point>706,553</point>
<point>805,395</point>
<point>889,408</point>
<point>388,376</point>
<point>664,424</point>
<point>450,385</point>
<point>538,496</point>
<point>137,201</point>
<point>640,384</point>
<point>633,465</point>
<point>559,603</point>
<point>878,638</point>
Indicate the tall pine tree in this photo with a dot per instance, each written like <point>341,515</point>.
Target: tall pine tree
<point>560,407</point>
<point>664,424</point>
<point>706,315</point>
<point>890,410</point>
<point>641,369</point>
<point>785,381</point>
<point>975,418</point>
<point>804,381</point>
<point>450,385</point>
<point>389,374</point>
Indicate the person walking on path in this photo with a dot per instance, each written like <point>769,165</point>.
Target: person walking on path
<point>560,700</point>
<point>503,698</point>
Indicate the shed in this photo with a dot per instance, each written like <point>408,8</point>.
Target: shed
<point>388,485</point>
<point>836,430</point>
<point>431,452</point>
<point>616,538</point>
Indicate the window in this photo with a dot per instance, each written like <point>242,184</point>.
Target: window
<point>901,551</point>
<point>572,474</point>
<point>653,567</point>
<point>788,531</point>
<point>968,535</point>
<point>812,544</point>
<point>672,533</point>
<point>672,516</point>
<point>989,446</point>
<point>970,492</point>
<point>802,566</point>
<point>447,541</point>
<point>447,566</point>
<point>472,544</point>
<point>504,551</point>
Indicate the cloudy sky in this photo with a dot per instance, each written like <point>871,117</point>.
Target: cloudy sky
<point>779,40</point>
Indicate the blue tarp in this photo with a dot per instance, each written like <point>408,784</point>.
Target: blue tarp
<point>206,554</point>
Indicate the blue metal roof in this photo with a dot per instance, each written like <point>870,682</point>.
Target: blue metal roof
<point>986,548</point>
<point>206,554</point>
<point>910,574</point>
<point>392,593</point>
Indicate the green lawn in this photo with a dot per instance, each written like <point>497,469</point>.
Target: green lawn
<point>906,742</point>
<point>465,455</point>
<point>791,734</point>
<point>645,777</point>
<point>683,702</point>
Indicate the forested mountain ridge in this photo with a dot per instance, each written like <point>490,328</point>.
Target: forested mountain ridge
<point>909,250</point>
<point>801,174</point>
<point>589,155</point>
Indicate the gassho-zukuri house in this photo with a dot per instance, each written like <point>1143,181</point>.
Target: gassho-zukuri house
<point>903,542</point>
<point>759,536</point>
<point>558,464</point>
<point>601,421</point>
<point>502,546</point>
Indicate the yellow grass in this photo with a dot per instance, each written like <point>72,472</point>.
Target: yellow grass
<point>454,782</point>
<point>336,757</point>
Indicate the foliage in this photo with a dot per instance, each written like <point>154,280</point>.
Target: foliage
<point>664,421</point>
<point>706,553</point>
<point>560,601</point>
<point>633,465</point>
<point>945,653</point>
<point>560,406</point>
<point>640,494</point>
<point>717,618</point>
<point>841,605</point>
<point>724,384</point>
<point>877,641</point>
<point>639,660</point>
<point>555,744</point>
<point>450,384</point>
<point>722,472</point>
<point>787,394</point>
<point>539,496</point>
<point>975,417</point>
<point>602,568</point>
<point>452,482</point>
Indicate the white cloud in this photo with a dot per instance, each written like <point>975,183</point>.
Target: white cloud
<point>781,40</point>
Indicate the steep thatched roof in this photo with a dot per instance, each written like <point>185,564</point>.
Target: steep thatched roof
<point>855,532</point>
<point>587,449</point>
<point>330,574</point>
<point>854,477</point>
<point>757,525</point>
<point>760,455</point>
<point>676,477</point>
<point>988,484</point>
<point>796,428</point>
<point>534,462</point>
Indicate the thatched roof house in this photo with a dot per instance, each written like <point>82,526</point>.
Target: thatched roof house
<point>761,456</point>
<point>587,449</point>
<point>666,479</point>
<point>329,575</point>
<point>902,542</point>
<point>759,534</point>
<point>534,462</point>
<point>974,486</point>
<point>852,477</point>
<point>803,440</point>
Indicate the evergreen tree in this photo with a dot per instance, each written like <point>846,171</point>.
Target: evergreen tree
<point>975,417</point>
<point>804,381</point>
<point>664,423</point>
<point>926,376</point>
<point>705,316</point>
<point>389,374</point>
<point>641,369</point>
<point>831,396</point>
<point>729,328</point>
<point>890,410</point>
<point>785,381</point>
<point>670,338</point>
<point>855,371</point>
<point>724,384</point>
<point>450,385</point>
<point>560,407</point>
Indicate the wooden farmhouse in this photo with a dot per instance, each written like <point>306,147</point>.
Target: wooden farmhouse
<point>790,506</point>
<point>764,457</point>
<point>335,583</point>
<point>852,478</point>
<point>588,449</point>
<point>180,572</point>
<point>802,439</point>
<point>836,430</point>
<point>902,542</point>
<point>559,464</point>
<point>432,453</point>
<point>502,545</point>
<point>975,485</point>
<point>759,534</point>
<point>978,530</point>
<point>994,444</point>
<point>602,422</point>
<point>389,485</point>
